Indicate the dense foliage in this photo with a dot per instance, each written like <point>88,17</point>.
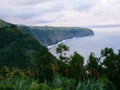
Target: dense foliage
<point>100,73</point>
<point>17,48</point>
<point>57,75</point>
<point>27,65</point>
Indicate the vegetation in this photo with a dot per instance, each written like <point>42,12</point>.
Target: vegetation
<point>27,65</point>
<point>58,75</point>
<point>17,48</point>
<point>4,24</point>
<point>50,35</point>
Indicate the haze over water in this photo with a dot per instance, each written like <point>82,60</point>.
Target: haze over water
<point>104,37</point>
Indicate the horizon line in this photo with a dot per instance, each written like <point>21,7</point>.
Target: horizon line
<point>104,26</point>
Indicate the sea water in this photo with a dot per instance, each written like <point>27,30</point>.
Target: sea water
<point>103,37</point>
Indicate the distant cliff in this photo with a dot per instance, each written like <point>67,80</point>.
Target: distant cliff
<point>51,35</point>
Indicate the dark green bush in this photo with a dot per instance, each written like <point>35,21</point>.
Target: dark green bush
<point>6,87</point>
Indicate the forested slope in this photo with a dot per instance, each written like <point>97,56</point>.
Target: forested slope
<point>51,35</point>
<point>18,48</point>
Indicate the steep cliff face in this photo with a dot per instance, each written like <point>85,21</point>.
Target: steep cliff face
<point>51,35</point>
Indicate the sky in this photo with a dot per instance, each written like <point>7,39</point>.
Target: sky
<point>61,12</point>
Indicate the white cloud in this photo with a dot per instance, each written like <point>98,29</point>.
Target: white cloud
<point>61,12</point>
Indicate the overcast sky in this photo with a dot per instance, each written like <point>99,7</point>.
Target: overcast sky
<point>61,12</point>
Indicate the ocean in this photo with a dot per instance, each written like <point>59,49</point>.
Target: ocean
<point>104,37</point>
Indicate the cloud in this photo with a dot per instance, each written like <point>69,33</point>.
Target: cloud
<point>22,2</point>
<point>61,12</point>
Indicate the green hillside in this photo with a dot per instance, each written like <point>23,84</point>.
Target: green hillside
<point>17,48</point>
<point>50,35</point>
<point>4,24</point>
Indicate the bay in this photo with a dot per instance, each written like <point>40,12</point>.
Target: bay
<point>104,37</point>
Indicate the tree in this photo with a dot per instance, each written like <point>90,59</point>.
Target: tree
<point>44,61</point>
<point>61,50</point>
<point>93,67</point>
<point>77,70</point>
<point>111,64</point>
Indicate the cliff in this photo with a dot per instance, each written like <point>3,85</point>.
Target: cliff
<point>51,35</point>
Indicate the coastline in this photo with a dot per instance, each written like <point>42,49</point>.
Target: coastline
<point>49,47</point>
<point>65,40</point>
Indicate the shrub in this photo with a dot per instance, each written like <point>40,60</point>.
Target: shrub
<point>6,87</point>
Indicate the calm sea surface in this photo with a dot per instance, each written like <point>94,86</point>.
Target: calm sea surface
<point>104,37</point>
